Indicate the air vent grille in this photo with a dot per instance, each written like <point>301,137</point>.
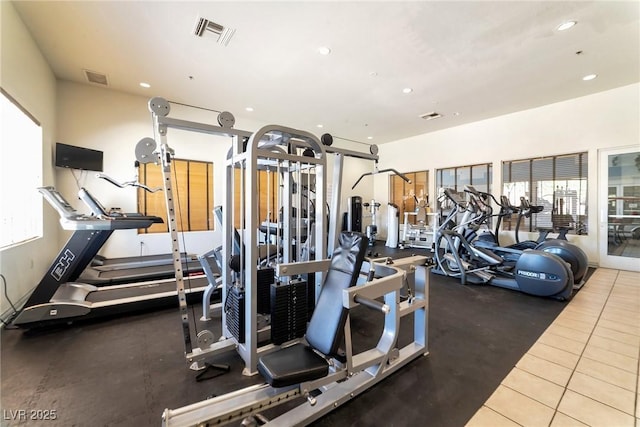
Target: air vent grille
<point>204,26</point>
<point>431,116</point>
<point>97,78</point>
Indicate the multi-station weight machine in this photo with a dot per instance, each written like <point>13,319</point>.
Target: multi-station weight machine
<point>421,233</point>
<point>305,233</point>
<point>267,276</point>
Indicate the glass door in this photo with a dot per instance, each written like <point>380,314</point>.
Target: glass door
<point>619,213</point>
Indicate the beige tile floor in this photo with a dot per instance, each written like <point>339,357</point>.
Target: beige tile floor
<point>583,370</point>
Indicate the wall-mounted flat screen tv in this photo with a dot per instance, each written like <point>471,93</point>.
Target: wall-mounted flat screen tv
<point>70,156</point>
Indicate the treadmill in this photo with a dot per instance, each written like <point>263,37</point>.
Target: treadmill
<point>59,298</point>
<point>137,269</point>
<point>113,271</point>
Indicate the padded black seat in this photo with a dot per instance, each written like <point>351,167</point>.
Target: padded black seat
<point>299,362</point>
<point>292,365</point>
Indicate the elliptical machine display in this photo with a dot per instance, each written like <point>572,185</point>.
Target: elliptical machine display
<point>535,272</point>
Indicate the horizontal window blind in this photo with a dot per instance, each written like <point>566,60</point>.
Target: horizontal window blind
<point>557,183</point>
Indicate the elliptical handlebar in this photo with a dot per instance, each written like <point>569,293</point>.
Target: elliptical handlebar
<point>528,208</point>
<point>455,198</point>
<point>507,207</point>
<point>478,201</point>
<point>460,203</point>
<point>481,195</point>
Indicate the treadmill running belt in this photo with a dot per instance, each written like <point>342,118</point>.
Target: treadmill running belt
<point>144,290</point>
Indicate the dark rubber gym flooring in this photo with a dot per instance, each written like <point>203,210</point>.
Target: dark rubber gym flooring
<point>126,371</point>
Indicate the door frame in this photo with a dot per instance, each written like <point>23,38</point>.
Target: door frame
<point>606,260</point>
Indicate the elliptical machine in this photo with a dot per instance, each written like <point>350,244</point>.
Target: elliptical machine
<point>526,210</point>
<point>535,272</point>
<point>569,252</point>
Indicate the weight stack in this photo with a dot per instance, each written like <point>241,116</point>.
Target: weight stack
<point>234,308</point>
<point>266,278</point>
<point>288,311</point>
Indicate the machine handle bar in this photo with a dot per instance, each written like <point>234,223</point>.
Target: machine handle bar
<point>401,175</point>
<point>127,183</point>
<point>373,304</point>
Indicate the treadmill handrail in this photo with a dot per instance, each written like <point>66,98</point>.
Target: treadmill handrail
<point>59,203</point>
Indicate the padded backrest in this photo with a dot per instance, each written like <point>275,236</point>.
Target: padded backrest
<point>327,322</point>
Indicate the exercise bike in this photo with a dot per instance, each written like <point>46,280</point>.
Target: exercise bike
<point>534,272</point>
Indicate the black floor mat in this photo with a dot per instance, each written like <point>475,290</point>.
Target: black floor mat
<point>126,371</point>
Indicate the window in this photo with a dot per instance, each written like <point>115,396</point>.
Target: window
<point>193,195</point>
<point>20,173</point>
<point>407,195</point>
<point>456,178</point>
<point>557,183</point>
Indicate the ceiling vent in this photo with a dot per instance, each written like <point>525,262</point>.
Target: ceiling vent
<point>204,26</point>
<point>431,116</point>
<point>97,78</point>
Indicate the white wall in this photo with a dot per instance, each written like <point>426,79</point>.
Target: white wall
<point>26,76</point>
<point>603,120</point>
<point>114,122</point>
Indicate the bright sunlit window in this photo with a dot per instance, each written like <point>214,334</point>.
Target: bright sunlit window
<point>20,173</point>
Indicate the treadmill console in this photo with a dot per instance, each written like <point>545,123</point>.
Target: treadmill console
<point>70,219</point>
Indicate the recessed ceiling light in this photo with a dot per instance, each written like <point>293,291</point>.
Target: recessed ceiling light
<point>566,25</point>
<point>320,126</point>
<point>145,85</point>
<point>457,113</point>
<point>323,50</point>
<point>249,108</point>
<point>373,74</point>
<point>369,137</point>
<point>407,90</point>
<point>589,77</point>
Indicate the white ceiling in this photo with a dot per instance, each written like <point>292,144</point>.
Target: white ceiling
<point>465,60</point>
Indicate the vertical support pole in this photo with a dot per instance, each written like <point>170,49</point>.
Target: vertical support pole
<point>421,316</point>
<point>287,211</point>
<point>334,230</point>
<point>249,351</point>
<point>165,156</point>
<point>228,230</point>
<point>300,211</point>
<point>321,221</point>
